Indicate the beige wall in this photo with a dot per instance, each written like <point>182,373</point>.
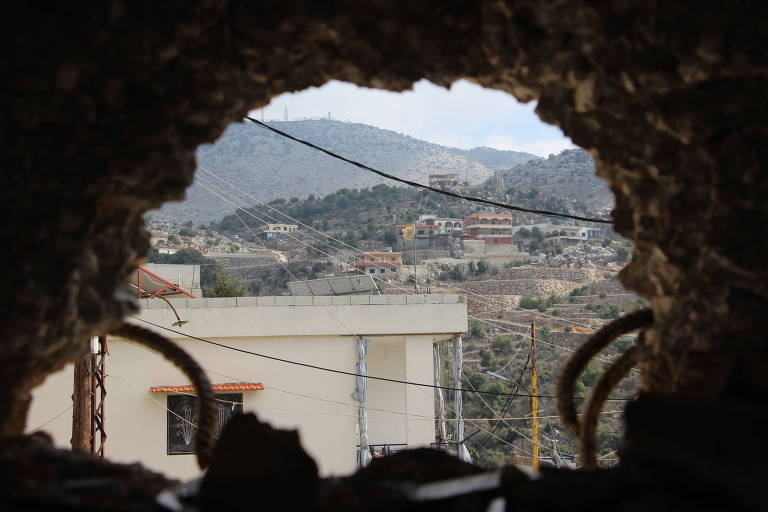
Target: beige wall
<point>401,348</point>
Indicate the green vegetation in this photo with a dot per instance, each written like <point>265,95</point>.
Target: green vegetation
<point>360,214</point>
<point>476,328</point>
<point>580,291</point>
<point>502,345</point>
<point>214,280</point>
<point>542,304</point>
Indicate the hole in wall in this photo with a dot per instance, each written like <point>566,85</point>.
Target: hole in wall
<point>498,148</point>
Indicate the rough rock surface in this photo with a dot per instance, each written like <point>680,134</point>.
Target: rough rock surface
<point>105,104</point>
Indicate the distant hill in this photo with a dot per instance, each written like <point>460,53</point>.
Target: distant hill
<point>269,166</point>
<point>567,180</point>
<point>497,159</point>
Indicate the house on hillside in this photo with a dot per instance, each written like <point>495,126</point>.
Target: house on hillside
<point>274,231</point>
<point>151,413</point>
<point>493,228</point>
<point>380,264</point>
<point>444,180</point>
<point>445,225</point>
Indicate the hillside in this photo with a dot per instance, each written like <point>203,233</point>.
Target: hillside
<point>269,166</point>
<point>497,159</point>
<point>569,175</point>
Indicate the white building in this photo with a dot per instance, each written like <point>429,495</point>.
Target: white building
<point>445,225</point>
<point>270,231</point>
<point>146,395</point>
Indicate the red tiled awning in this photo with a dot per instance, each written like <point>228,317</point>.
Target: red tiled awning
<point>374,264</point>
<point>230,386</point>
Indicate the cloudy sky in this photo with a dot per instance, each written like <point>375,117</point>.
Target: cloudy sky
<point>464,116</point>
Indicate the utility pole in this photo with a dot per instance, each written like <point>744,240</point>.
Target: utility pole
<point>81,405</point>
<point>98,433</point>
<point>415,276</point>
<point>534,400</point>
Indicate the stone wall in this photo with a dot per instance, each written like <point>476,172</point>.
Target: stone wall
<point>572,275</point>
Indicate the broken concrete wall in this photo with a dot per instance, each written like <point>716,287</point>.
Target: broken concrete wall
<point>106,104</point>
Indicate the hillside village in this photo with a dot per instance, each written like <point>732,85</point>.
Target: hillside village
<point>423,288</point>
<point>511,268</point>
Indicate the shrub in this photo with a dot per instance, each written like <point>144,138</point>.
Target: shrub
<point>502,344</point>
<point>486,359</point>
<point>603,295</point>
<point>476,328</point>
<point>578,292</point>
<point>612,311</point>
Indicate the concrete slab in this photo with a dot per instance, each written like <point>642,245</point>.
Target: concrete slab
<point>197,303</point>
<point>245,302</point>
<point>222,302</point>
<point>265,301</point>
<point>179,303</point>
<point>285,301</point>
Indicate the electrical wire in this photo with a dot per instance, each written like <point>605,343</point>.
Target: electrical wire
<point>410,417</point>
<point>50,420</point>
<point>337,319</point>
<point>476,200</point>
<point>354,249</point>
<point>343,372</point>
<point>251,214</point>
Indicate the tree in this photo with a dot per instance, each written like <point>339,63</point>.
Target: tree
<point>224,286</point>
<point>502,345</point>
<point>389,238</point>
<point>476,328</point>
<point>482,267</point>
<point>622,253</point>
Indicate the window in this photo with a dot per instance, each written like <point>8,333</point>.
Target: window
<point>182,418</point>
<point>382,271</point>
<point>371,270</point>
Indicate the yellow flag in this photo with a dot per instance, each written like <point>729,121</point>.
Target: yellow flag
<point>409,232</point>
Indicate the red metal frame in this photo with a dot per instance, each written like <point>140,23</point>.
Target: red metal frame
<point>167,283</point>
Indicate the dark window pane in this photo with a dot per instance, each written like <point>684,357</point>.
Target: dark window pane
<point>182,419</point>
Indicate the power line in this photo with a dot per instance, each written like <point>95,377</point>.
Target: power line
<point>485,321</point>
<point>451,285</point>
<point>50,420</point>
<point>343,372</point>
<point>477,200</point>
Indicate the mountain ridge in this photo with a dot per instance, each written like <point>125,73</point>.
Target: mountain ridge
<point>269,166</point>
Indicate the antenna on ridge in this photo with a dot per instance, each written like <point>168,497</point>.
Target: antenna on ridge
<point>285,114</point>
<point>329,116</point>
